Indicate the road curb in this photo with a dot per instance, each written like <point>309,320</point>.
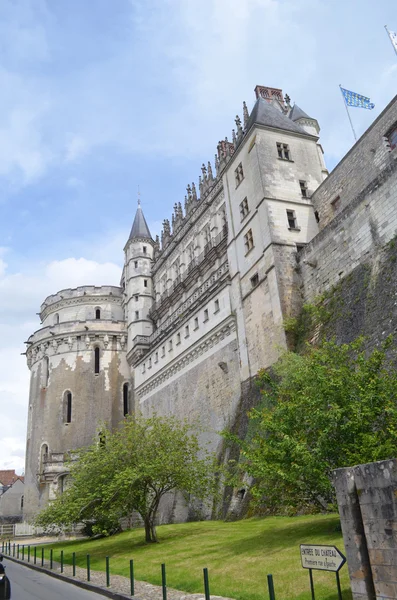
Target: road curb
<point>82,584</point>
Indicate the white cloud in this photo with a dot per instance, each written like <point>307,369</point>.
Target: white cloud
<point>76,148</point>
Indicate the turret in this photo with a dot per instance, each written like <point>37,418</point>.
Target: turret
<point>79,379</point>
<point>138,286</point>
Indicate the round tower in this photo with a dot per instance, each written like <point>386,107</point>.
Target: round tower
<point>138,286</point>
<point>79,379</point>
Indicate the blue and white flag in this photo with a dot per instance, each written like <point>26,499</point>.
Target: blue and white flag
<point>354,99</point>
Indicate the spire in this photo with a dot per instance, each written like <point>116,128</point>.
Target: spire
<point>139,228</point>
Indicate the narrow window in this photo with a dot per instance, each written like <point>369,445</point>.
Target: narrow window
<point>144,249</point>
<point>254,280</point>
<point>156,357</point>
<point>316,215</point>
<point>196,323</point>
<point>239,174</point>
<point>125,399</point>
<point>187,331</point>
<point>279,151</point>
<point>136,264</point>
<point>292,222</point>
<point>303,186</point>
<point>244,210</point>
<point>136,315</point>
<point>216,305</point>
<point>43,456</point>
<point>336,204</point>
<point>170,346</point>
<point>68,407</point>
<point>46,371</point>
<point>136,298</point>
<point>22,502</point>
<point>248,241</point>
<point>163,351</point>
<point>286,152</point>
<point>205,315</point>
<point>96,360</point>
<point>56,319</point>
<point>145,283</point>
<point>178,338</point>
<point>97,313</point>
<point>150,363</point>
<point>143,368</point>
<point>392,138</point>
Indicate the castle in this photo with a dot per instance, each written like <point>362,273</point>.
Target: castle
<point>198,313</point>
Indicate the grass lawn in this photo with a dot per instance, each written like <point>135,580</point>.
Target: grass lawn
<point>238,555</point>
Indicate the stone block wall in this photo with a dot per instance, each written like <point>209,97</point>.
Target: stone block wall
<point>358,168</point>
<point>367,501</point>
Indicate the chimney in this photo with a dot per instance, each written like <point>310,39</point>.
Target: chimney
<point>268,93</point>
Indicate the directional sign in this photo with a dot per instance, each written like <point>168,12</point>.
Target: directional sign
<point>323,558</point>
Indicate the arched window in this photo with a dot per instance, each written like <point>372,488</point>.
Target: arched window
<point>46,371</point>
<point>97,313</point>
<point>125,399</point>
<point>67,404</point>
<point>56,319</point>
<point>43,456</point>
<point>96,360</point>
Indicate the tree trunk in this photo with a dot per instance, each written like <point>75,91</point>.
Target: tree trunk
<point>150,531</point>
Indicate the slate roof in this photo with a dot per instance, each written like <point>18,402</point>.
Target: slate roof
<point>8,477</point>
<point>265,113</point>
<point>139,228</point>
<point>297,113</point>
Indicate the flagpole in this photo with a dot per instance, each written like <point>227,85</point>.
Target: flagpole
<point>391,41</point>
<point>348,114</point>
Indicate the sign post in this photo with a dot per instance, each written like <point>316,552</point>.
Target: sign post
<point>322,558</point>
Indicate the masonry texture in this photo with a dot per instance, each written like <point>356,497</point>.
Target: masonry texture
<point>367,503</point>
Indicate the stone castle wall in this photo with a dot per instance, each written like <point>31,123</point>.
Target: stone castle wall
<point>367,503</point>
<point>351,262</point>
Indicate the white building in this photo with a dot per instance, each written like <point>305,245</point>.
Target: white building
<point>196,316</point>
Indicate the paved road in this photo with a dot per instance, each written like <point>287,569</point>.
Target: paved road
<point>27,584</point>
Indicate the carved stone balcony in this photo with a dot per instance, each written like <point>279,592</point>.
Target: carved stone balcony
<point>140,345</point>
<point>215,248</point>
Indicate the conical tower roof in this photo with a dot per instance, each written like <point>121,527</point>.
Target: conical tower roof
<point>139,229</point>
<point>297,113</point>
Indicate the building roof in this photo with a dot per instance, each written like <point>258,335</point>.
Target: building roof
<point>265,113</point>
<point>139,228</point>
<point>297,113</point>
<point>8,477</point>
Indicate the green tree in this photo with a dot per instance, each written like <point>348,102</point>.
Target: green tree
<point>130,470</point>
<point>334,406</point>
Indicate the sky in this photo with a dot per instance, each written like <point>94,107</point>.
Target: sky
<point>102,96</point>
